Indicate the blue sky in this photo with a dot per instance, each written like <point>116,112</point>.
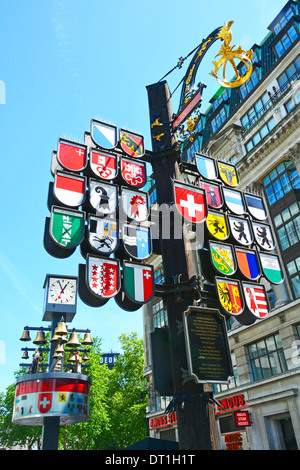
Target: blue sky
<point>62,63</point>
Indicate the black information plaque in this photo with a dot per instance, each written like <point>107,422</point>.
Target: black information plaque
<point>207,346</point>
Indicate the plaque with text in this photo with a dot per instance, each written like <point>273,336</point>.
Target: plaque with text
<point>207,346</point>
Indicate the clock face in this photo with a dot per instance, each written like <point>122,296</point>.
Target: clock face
<point>62,291</point>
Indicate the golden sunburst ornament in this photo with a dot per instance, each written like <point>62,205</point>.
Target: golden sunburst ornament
<point>229,54</point>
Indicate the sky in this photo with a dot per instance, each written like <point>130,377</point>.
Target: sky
<point>63,63</point>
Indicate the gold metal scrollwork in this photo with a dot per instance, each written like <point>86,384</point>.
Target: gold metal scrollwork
<point>229,54</point>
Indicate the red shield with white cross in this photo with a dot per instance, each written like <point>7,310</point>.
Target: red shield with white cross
<point>190,202</point>
<point>44,402</point>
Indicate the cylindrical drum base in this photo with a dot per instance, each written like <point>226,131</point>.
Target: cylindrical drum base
<point>45,395</point>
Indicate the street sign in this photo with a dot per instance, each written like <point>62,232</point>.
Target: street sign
<point>242,419</point>
<point>207,346</point>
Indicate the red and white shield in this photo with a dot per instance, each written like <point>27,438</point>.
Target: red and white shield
<point>44,402</point>
<point>71,155</point>
<point>104,164</point>
<point>133,172</point>
<point>103,276</point>
<point>69,189</point>
<point>190,202</point>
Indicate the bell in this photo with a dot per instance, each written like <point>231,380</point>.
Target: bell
<point>25,336</point>
<point>61,329</point>
<point>55,338</point>
<point>40,338</point>
<point>85,357</point>
<point>73,341</point>
<point>59,349</point>
<point>25,355</point>
<point>71,357</point>
<point>87,340</point>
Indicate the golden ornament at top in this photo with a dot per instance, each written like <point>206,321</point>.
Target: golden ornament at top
<point>229,54</point>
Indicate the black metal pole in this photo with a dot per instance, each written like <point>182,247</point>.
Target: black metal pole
<point>191,409</point>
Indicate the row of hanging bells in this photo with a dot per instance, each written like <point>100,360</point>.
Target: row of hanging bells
<point>59,336</point>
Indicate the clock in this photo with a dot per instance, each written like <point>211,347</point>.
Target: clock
<point>60,297</point>
<point>62,291</point>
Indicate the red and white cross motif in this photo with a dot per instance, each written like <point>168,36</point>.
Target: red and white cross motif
<point>103,276</point>
<point>44,402</point>
<point>190,202</point>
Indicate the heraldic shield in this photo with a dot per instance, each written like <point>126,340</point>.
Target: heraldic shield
<point>135,204</point>
<point>66,226</point>
<point>103,135</point>
<point>132,144</point>
<point>102,276</point>
<point>69,189</point>
<point>241,230</point>
<point>222,257</point>
<point>103,164</point>
<point>71,155</point>
<point>230,295</point>
<point>217,225</point>
<point>256,299</point>
<point>213,194</point>
<point>133,172</point>
<point>228,174</point>
<point>190,201</point>
<point>263,236</point>
<point>137,241</point>
<point>103,234</point>
<point>138,281</point>
<point>103,197</point>
<point>206,166</point>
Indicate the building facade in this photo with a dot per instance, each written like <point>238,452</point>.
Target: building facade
<point>255,127</point>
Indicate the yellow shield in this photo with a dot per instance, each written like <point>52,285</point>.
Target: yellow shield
<point>217,225</point>
<point>228,174</point>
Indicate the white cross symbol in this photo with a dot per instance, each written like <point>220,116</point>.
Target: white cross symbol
<point>191,205</point>
<point>45,402</point>
<point>80,151</point>
<point>147,274</point>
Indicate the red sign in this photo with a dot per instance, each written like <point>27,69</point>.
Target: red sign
<point>163,421</point>
<point>242,419</point>
<point>229,403</point>
<point>71,155</point>
<point>234,441</point>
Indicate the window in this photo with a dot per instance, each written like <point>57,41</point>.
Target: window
<point>152,196</point>
<point>160,316</point>
<point>255,112</point>
<point>158,276</point>
<point>250,83</point>
<point>258,136</point>
<point>223,97</point>
<point>290,74</point>
<point>285,41</point>
<point>293,268</point>
<point>218,120</point>
<point>283,20</point>
<point>267,357</point>
<point>280,181</point>
<point>287,225</point>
